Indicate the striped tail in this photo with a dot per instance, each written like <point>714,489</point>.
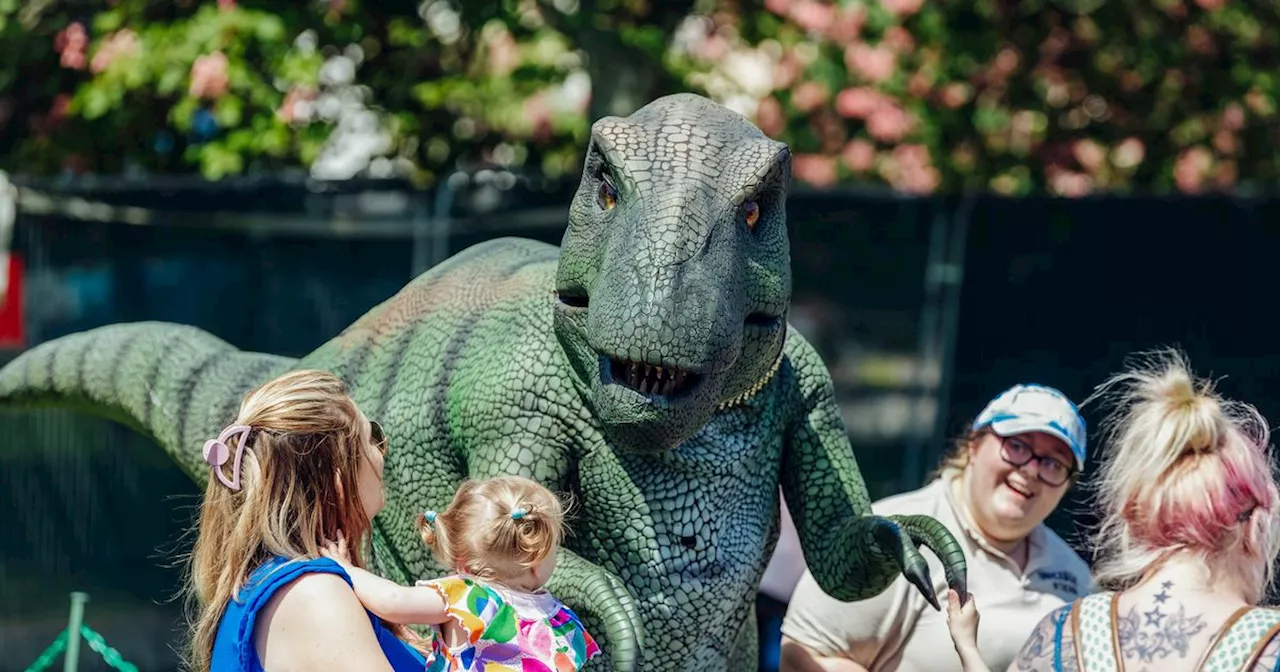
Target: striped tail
<point>174,383</point>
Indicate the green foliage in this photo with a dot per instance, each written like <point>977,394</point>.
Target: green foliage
<point>1065,96</point>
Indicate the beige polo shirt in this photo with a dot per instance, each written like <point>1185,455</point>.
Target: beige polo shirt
<point>898,630</point>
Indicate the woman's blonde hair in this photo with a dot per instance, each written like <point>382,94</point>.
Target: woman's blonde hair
<point>495,528</point>
<point>297,486</point>
<point>960,454</point>
<point>1184,469</point>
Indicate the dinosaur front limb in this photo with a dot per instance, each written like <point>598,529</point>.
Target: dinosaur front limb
<point>851,553</point>
<point>606,607</point>
<point>937,538</point>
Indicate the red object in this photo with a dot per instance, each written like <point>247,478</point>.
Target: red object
<point>12,333</point>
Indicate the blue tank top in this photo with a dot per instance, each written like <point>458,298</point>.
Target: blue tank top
<point>233,646</point>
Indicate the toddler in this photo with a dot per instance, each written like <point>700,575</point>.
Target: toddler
<point>500,536</point>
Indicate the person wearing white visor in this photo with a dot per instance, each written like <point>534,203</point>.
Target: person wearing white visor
<point>994,490</point>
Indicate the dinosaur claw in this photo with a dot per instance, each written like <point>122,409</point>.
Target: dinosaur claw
<point>918,575</point>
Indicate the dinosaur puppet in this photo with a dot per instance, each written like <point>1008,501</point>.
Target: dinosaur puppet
<point>646,367</point>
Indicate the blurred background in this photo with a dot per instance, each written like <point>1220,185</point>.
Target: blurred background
<point>986,192</point>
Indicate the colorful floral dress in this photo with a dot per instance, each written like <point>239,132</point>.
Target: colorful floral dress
<point>508,630</point>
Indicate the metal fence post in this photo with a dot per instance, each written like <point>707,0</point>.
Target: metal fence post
<point>72,660</point>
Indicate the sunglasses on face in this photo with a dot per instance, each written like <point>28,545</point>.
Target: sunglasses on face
<point>1049,470</point>
<point>378,438</point>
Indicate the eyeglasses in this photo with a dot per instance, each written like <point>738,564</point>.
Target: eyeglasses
<point>1049,470</point>
<point>379,439</point>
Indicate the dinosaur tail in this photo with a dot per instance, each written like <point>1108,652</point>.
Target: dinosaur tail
<point>174,383</point>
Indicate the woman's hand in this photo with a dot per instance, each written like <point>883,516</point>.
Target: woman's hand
<point>962,620</point>
<point>337,551</point>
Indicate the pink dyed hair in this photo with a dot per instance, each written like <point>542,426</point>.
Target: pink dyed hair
<point>1184,470</point>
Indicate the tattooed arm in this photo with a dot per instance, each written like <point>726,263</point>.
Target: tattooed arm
<point>1038,652</point>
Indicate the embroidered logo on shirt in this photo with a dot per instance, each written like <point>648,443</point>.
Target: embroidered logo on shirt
<point>1061,581</point>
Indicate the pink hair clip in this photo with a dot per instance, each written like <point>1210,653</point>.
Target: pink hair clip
<point>217,452</point>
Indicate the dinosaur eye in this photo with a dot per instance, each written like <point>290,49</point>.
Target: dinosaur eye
<point>607,197</point>
<point>753,214</point>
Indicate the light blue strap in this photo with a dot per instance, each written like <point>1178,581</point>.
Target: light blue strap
<point>1061,621</point>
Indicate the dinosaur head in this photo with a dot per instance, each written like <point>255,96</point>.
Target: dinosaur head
<point>675,270</point>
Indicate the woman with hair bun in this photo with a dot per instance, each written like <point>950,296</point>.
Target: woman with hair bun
<point>1186,544</point>
<point>501,536</point>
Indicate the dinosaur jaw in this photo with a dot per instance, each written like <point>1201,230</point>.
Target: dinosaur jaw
<point>659,384</point>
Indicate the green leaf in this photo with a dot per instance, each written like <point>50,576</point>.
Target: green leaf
<point>180,115</point>
<point>107,22</point>
<point>228,111</point>
<point>94,102</point>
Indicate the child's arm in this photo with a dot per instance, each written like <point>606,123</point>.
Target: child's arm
<point>391,601</point>
<point>962,621</point>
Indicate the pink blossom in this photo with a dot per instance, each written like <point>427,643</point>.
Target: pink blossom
<point>123,42</point>
<point>1090,154</point>
<point>779,7</point>
<point>920,83</point>
<point>902,7</point>
<point>898,39</point>
<point>787,70</point>
<point>209,76</point>
<point>296,106</point>
<point>954,95</point>
<point>226,5</point>
<point>859,103</point>
<point>920,180</point>
<point>70,42</point>
<point>1069,183</point>
<point>814,17</point>
<point>808,96</point>
<point>1192,166</point>
<point>1007,60</point>
<point>847,25</point>
<point>889,123</point>
<point>875,64</point>
<point>1233,117</point>
<point>1211,5</point>
<point>815,169</point>
<point>859,155</point>
<point>58,110</point>
<point>713,48</point>
<point>1225,141</point>
<point>1174,9</point>
<point>909,169</point>
<point>1129,153</point>
<point>504,55</point>
<point>769,116</point>
<point>537,112</point>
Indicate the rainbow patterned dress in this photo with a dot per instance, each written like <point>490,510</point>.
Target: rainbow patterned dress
<point>508,630</point>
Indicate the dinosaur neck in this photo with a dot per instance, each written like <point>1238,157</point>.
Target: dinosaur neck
<point>756,386</point>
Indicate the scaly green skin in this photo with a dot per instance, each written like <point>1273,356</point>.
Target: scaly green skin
<point>496,362</point>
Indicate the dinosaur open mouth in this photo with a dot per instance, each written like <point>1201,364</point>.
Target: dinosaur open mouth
<point>647,379</point>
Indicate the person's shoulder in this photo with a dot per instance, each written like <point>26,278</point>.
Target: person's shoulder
<point>318,606</point>
<point>312,594</point>
<point>1052,639</point>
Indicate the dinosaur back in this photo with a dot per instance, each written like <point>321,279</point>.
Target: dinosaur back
<point>425,362</point>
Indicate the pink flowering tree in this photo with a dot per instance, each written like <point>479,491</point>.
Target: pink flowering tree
<point>1067,97</point>
<point>336,87</point>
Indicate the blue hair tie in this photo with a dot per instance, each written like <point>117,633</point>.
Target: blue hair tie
<point>430,516</point>
<point>519,513</point>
